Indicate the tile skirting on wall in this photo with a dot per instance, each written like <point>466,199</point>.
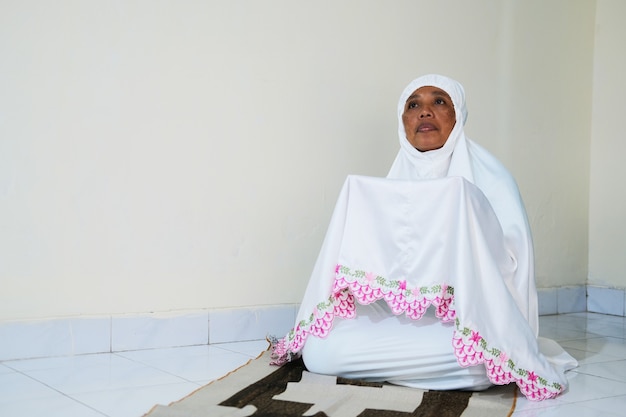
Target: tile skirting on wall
<point>606,300</point>
<point>75,336</point>
<point>562,300</point>
<point>591,298</point>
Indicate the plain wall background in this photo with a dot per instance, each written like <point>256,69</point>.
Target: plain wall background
<point>179,155</point>
<point>607,228</point>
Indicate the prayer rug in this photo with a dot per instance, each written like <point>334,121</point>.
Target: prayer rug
<point>260,390</point>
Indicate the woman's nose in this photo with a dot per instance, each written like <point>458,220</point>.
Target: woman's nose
<point>425,112</point>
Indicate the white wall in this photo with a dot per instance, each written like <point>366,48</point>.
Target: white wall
<point>167,155</point>
<point>542,111</point>
<point>607,229</point>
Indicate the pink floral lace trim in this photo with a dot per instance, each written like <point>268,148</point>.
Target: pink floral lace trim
<point>469,346</point>
<point>471,349</point>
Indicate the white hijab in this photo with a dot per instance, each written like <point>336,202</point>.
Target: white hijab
<point>413,164</point>
<point>462,157</point>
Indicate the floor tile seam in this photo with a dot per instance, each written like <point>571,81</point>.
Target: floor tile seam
<point>148,349</point>
<point>179,380</point>
<point>591,330</point>
<point>75,395</point>
<point>539,405</point>
<point>612,340</point>
<point>608,356</point>
<point>597,410</point>
<point>560,403</point>
<point>150,363</point>
<point>64,394</point>
<point>85,367</point>
<point>239,352</point>
<point>611,357</point>
<point>617,359</point>
<point>208,346</point>
<point>614,336</point>
<point>567,340</point>
<point>583,362</point>
<point>183,379</point>
<point>592,324</point>
<point>600,325</point>
<point>12,368</point>
<point>7,371</point>
<point>220,345</point>
<point>578,406</point>
<point>65,356</point>
<point>588,339</point>
<point>577,371</point>
<point>28,374</point>
<point>594,331</point>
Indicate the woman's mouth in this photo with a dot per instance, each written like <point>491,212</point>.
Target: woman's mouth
<point>426,127</point>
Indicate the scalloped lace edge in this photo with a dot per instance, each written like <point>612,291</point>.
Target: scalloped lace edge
<point>470,348</point>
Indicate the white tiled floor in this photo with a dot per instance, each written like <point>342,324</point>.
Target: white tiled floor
<point>128,384</point>
<point>123,384</point>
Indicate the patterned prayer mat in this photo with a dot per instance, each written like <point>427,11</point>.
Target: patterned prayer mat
<point>261,390</point>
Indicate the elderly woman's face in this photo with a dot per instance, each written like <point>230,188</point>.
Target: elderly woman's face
<point>428,118</point>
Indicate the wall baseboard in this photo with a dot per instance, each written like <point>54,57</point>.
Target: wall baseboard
<point>606,300</point>
<point>83,335</point>
<point>562,300</point>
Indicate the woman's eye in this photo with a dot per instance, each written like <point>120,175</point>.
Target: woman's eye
<point>411,105</point>
<point>440,101</point>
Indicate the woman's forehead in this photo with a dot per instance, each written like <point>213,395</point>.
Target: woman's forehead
<point>428,90</point>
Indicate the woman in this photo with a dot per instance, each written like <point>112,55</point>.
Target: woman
<point>446,229</point>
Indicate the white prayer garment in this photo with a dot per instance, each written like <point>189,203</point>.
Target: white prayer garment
<point>426,277</point>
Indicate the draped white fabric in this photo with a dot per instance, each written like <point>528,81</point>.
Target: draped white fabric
<point>446,230</point>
